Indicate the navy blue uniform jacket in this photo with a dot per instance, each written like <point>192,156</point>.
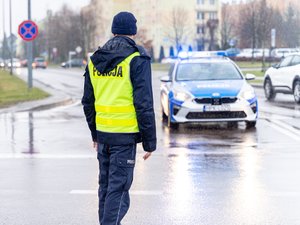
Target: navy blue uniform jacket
<point>107,58</point>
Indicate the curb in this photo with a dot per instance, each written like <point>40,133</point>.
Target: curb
<point>37,105</point>
<point>42,107</point>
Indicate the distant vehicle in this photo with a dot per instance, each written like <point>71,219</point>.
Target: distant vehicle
<point>207,87</point>
<point>39,62</point>
<point>284,78</point>
<point>232,52</point>
<point>16,63</point>
<point>2,63</point>
<point>249,53</point>
<point>169,60</point>
<point>74,63</point>
<point>282,52</point>
<point>23,63</point>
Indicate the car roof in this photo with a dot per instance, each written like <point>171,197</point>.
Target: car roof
<point>205,60</point>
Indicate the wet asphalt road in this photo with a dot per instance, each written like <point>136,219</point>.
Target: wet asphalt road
<point>200,175</point>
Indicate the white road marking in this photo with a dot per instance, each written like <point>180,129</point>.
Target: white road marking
<point>284,194</point>
<point>285,129</point>
<point>133,192</point>
<point>45,156</point>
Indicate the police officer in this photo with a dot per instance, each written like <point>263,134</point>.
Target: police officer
<point>118,105</point>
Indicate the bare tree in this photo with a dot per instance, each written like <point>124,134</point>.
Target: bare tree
<point>88,29</point>
<point>291,27</point>
<point>264,27</point>
<point>248,25</point>
<point>177,26</point>
<point>226,26</point>
<point>142,39</point>
<point>212,25</point>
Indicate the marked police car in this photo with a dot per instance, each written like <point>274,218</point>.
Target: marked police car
<point>207,87</point>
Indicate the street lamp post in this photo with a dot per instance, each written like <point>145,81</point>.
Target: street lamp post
<point>29,51</point>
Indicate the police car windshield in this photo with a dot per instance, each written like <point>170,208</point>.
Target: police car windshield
<point>207,71</point>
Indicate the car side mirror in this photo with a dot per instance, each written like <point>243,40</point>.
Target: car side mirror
<point>165,79</point>
<point>250,76</point>
<point>276,66</point>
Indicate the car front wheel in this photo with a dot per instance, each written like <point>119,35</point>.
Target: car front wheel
<point>171,124</point>
<point>269,90</point>
<point>163,115</point>
<point>250,124</point>
<point>297,91</point>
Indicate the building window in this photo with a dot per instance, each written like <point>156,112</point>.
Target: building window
<point>212,2</point>
<point>213,15</point>
<point>200,15</point>
<point>200,29</point>
<point>200,2</point>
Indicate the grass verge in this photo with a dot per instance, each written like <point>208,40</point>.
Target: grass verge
<point>257,73</point>
<point>13,90</point>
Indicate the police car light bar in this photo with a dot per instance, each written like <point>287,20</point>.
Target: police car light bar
<point>201,54</point>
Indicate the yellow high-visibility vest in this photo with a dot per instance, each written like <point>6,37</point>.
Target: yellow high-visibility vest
<point>115,112</point>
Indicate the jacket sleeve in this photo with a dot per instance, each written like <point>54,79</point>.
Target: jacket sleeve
<point>88,101</point>
<point>140,74</point>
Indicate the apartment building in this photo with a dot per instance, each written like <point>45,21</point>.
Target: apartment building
<point>159,19</point>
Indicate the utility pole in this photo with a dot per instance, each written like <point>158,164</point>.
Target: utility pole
<point>3,1</point>
<point>11,40</point>
<point>29,51</point>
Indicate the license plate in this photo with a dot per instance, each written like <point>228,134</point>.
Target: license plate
<point>216,108</point>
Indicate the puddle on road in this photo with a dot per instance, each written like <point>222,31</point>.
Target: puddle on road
<point>33,132</point>
<point>210,138</point>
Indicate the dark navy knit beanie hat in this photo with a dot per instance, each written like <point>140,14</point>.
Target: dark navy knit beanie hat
<point>124,23</point>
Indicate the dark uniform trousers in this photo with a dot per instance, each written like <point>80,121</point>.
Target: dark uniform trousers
<point>116,164</point>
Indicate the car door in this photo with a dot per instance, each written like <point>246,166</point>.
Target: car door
<point>279,75</point>
<point>295,70</point>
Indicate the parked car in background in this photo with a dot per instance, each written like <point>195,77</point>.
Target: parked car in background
<point>16,63</point>
<point>249,53</point>
<point>2,63</point>
<point>39,62</point>
<point>74,63</point>
<point>23,62</point>
<point>280,53</point>
<point>284,78</point>
<point>232,52</point>
<point>169,60</point>
<point>207,87</point>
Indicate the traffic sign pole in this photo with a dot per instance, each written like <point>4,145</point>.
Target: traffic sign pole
<point>11,40</point>
<point>29,51</point>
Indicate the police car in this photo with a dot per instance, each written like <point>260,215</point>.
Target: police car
<point>207,87</point>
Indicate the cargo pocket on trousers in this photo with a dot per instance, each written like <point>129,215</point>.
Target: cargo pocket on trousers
<point>127,167</point>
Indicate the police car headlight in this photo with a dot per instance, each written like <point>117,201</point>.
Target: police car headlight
<point>181,96</point>
<point>248,94</point>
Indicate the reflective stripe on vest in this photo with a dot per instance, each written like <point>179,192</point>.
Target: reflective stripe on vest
<point>115,112</point>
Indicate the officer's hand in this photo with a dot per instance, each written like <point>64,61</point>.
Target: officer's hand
<point>95,145</point>
<point>147,155</point>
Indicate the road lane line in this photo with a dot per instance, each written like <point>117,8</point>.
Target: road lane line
<point>284,194</point>
<point>133,192</point>
<point>285,129</point>
<point>45,156</point>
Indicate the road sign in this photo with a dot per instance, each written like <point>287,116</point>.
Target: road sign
<point>273,38</point>
<point>28,30</point>
<point>78,49</point>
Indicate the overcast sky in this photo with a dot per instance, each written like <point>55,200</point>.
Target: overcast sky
<point>38,10</point>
